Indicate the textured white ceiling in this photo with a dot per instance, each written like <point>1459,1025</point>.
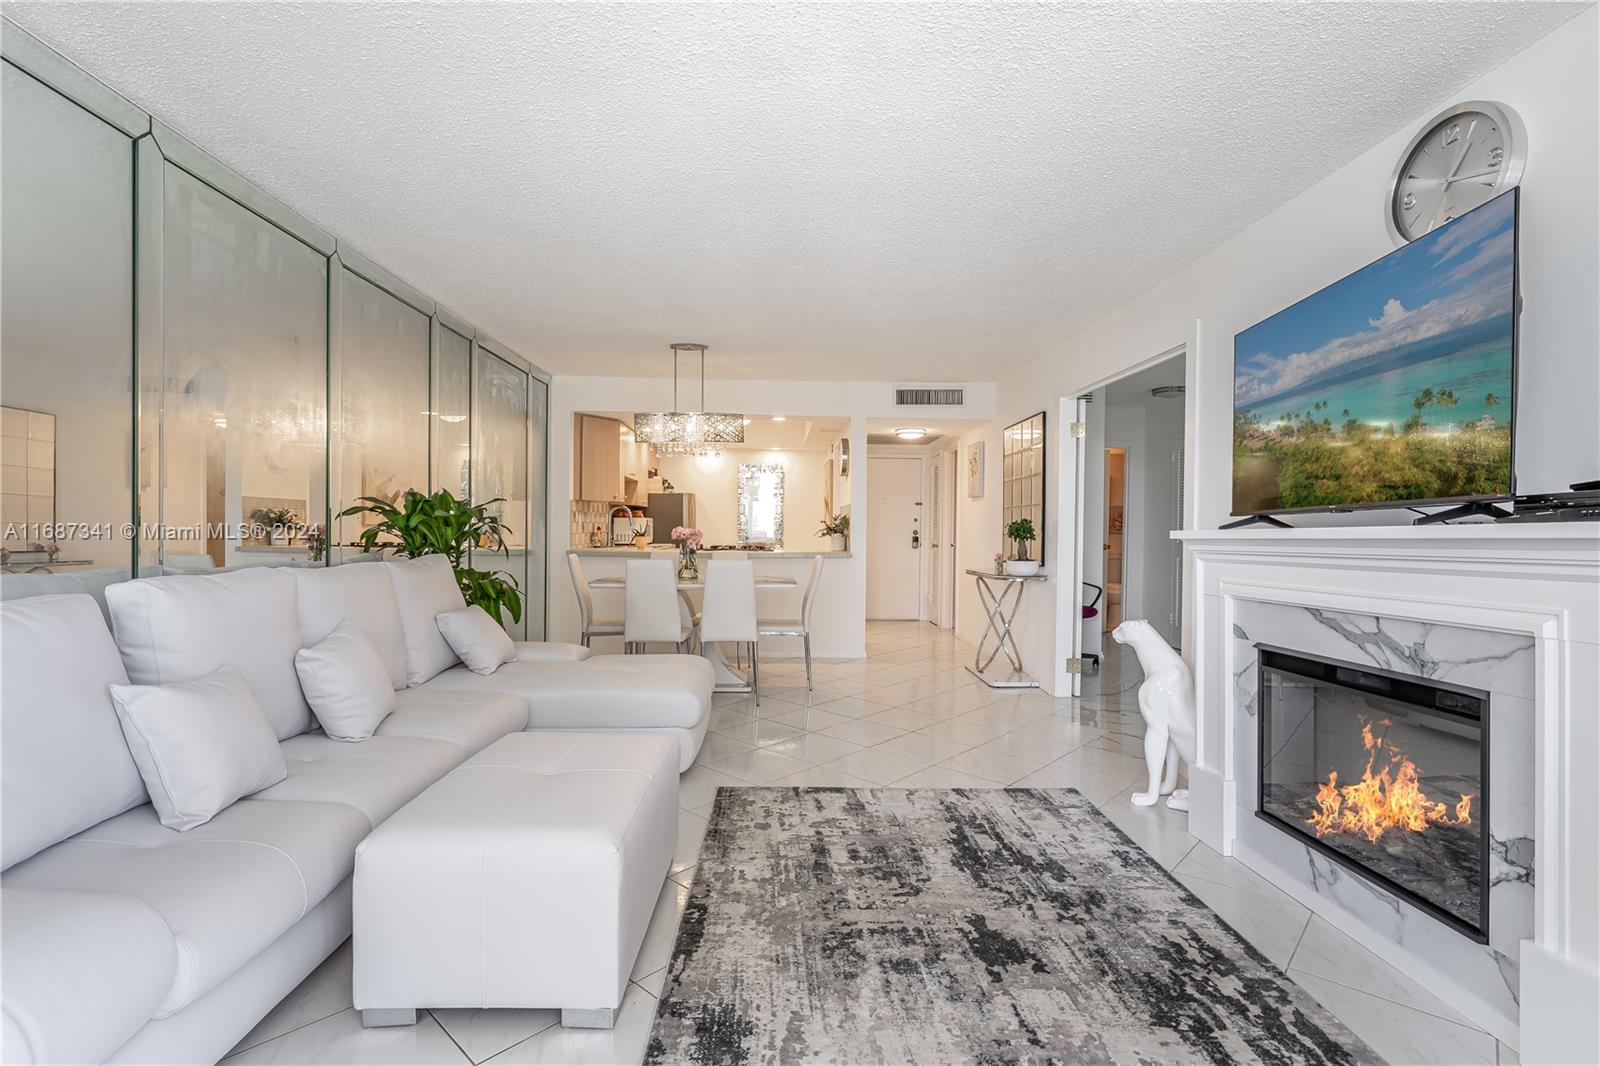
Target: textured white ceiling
<point>816,191</point>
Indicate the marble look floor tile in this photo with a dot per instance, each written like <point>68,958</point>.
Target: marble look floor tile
<point>813,748</point>
<point>697,786</point>
<point>1327,953</point>
<point>909,717</point>
<point>759,766</point>
<point>823,777</point>
<point>876,765</point>
<point>863,732</point>
<point>653,982</point>
<point>325,992</point>
<point>717,746</point>
<point>1028,747</point>
<point>621,1045</point>
<point>656,949</point>
<point>1399,1034</point>
<point>922,747</point>
<point>810,719</point>
<point>341,1039</point>
<point>1205,864</point>
<point>758,732</point>
<point>727,718</point>
<point>993,765</point>
<point>856,706</point>
<point>1273,927</point>
<point>973,733</point>
<point>691,831</point>
<point>944,777</point>
<point>685,877</point>
<point>1097,788</point>
<point>1163,841</point>
<point>485,1033</point>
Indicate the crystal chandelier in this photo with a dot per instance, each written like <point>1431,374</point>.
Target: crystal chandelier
<point>688,432</point>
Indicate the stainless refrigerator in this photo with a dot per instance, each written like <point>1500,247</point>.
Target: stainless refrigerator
<point>668,509</point>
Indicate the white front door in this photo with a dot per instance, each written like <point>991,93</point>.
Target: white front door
<point>895,538</point>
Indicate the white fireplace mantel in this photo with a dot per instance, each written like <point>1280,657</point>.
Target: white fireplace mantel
<point>1538,583</point>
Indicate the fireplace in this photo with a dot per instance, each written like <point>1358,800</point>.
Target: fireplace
<point>1386,773</point>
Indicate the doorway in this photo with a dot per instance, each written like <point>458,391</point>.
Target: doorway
<point>894,537</point>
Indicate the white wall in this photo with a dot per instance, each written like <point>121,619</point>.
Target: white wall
<point>714,480</point>
<point>840,612</point>
<point>1325,233</point>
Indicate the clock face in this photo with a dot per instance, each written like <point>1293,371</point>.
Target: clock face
<point>1464,159</point>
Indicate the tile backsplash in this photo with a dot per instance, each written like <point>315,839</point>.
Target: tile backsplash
<point>586,514</point>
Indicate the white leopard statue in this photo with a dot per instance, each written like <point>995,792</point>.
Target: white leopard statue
<point>1166,700</point>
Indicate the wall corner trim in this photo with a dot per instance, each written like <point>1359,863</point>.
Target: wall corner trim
<point>364,267</point>
<point>184,153</point>
<point>38,60</point>
<point>454,322</point>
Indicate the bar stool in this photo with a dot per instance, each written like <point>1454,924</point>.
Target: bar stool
<point>652,608</point>
<point>730,611</point>
<point>589,626</point>
<point>799,627</point>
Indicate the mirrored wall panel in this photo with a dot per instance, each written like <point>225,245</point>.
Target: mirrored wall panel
<point>66,340</point>
<point>539,501</point>
<point>500,467</point>
<point>381,435</point>
<point>244,434</point>
<point>452,414</point>
<point>1022,445</point>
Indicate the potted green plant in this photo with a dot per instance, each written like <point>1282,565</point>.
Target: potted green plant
<point>441,524</point>
<point>836,529</point>
<point>1021,533</point>
<point>279,522</point>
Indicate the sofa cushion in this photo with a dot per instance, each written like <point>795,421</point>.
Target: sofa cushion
<point>84,971</point>
<point>425,589</point>
<point>601,692</point>
<point>200,745</point>
<point>376,776</point>
<point>469,720</point>
<point>480,641</point>
<point>226,889</point>
<point>549,651</point>
<point>65,765</point>
<point>180,628</point>
<point>364,597</point>
<point>346,683</point>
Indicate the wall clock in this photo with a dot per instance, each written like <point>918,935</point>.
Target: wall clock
<point>1465,155</point>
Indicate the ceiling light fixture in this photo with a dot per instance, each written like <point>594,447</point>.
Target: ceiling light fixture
<point>1165,391</point>
<point>780,418</point>
<point>910,433</point>
<point>678,432</point>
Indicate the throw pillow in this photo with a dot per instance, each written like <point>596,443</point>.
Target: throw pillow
<point>477,638</point>
<point>346,683</point>
<point>199,745</point>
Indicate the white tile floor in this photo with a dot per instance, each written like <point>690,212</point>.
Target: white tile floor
<point>907,716</point>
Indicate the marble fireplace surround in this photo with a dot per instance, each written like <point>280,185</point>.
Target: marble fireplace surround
<point>1511,609</point>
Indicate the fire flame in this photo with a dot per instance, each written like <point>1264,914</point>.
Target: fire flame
<point>1391,798</point>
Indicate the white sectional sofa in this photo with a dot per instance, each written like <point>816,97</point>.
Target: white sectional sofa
<point>127,941</point>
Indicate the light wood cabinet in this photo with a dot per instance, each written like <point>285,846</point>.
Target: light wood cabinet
<point>599,454</point>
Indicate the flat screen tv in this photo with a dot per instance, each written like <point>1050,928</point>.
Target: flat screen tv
<point>1393,387</point>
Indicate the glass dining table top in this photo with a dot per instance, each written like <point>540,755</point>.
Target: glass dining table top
<point>763,581</point>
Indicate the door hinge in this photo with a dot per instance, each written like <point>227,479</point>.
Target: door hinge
<point>1074,666</point>
<point>1076,429</point>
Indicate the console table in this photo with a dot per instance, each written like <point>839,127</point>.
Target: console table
<point>1002,611</point>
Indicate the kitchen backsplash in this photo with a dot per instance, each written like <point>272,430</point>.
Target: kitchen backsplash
<point>586,514</point>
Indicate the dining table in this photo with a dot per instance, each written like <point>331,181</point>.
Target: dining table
<point>727,680</point>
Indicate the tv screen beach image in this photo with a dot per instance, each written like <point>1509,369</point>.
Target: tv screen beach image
<point>1392,385</point>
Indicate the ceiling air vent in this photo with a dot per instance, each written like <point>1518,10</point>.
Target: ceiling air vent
<point>930,397</point>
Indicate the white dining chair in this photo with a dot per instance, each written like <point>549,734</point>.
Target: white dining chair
<point>798,627</point>
<point>730,611</point>
<point>690,614</point>
<point>589,625</point>
<point>651,612</point>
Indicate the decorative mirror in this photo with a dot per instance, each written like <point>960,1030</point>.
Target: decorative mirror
<point>1022,477</point>
<point>760,504</point>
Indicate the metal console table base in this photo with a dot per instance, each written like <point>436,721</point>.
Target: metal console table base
<point>1001,611</point>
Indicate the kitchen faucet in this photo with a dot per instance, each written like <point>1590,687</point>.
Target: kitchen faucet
<point>611,522</point>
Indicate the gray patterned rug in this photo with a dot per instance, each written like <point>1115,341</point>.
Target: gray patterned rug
<point>933,926</point>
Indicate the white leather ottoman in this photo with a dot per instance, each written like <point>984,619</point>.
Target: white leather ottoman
<point>525,877</point>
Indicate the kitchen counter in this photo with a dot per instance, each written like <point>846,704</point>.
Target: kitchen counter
<point>628,549</point>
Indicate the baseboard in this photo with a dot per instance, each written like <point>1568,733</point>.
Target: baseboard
<point>1560,1026</point>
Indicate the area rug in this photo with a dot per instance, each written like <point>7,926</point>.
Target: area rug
<point>934,926</point>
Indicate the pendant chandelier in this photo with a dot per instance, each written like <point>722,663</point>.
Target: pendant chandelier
<point>688,432</point>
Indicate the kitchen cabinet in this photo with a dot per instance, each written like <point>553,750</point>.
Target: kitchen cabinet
<point>599,458</point>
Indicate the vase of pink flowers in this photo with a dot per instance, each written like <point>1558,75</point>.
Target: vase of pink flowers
<point>688,540</point>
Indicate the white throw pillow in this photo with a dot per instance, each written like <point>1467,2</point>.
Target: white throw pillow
<point>425,588</point>
<point>477,638</point>
<point>199,744</point>
<point>346,683</point>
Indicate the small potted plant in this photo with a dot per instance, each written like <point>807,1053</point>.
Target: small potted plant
<point>688,540</point>
<point>999,562</point>
<point>836,529</point>
<point>316,538</point>
<point>1021,532</point>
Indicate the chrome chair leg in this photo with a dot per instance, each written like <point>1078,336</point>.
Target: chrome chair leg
<point>806,637</point>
